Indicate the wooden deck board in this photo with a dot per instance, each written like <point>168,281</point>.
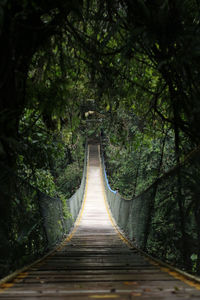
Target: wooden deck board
<point>96,263</point>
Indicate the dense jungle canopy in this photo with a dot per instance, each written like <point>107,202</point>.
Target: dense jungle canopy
<point>126,70</point>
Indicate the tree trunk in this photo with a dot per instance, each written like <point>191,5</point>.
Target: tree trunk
<point>180,198</point>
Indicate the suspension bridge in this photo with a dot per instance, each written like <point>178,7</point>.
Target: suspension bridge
<point>96,261</point>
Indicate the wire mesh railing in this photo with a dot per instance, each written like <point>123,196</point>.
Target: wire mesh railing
<point>75,202</point>
<point>164,220</point>
<point>37,221</point>
<point>56,223</point>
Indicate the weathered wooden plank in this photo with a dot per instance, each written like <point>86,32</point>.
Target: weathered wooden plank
<point>119,294</point>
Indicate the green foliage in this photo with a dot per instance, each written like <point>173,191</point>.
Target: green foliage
<point>45,182</point>
<point>46,160</point>
<point>137,156</point>
<point>129,69</point>
<point>69,179</point>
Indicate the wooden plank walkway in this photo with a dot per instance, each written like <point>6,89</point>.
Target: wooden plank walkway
<point>94,262</point>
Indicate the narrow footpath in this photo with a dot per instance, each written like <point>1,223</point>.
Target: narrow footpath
<point>95,262</point>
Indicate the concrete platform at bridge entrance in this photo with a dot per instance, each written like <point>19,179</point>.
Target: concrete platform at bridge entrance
<point>95,262</point>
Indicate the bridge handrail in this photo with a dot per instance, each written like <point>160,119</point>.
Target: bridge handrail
<point>139,217</point>
<point>53,206</point>
<point>42,220</point>
<point>105,176</point>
